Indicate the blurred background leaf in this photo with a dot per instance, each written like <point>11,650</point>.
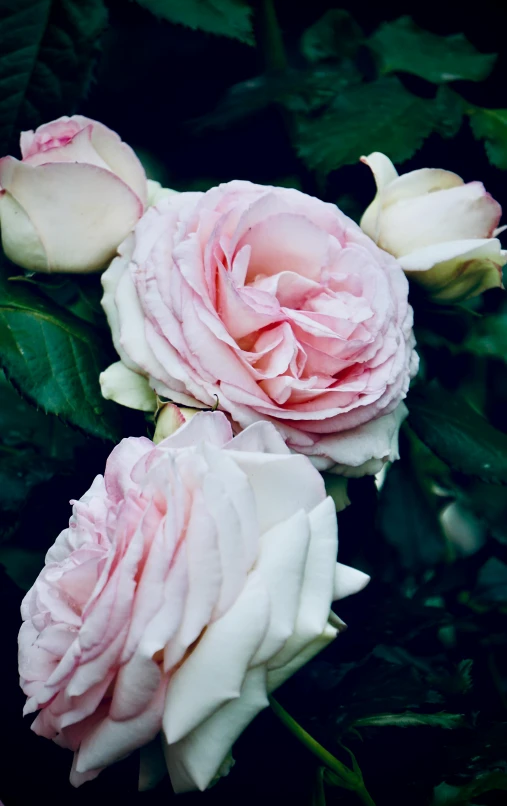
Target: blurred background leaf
<point>336,35</point>
<point>402,47</point>
<point>48,51</point>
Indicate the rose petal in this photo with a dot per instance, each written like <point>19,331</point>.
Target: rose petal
<point>90,213</point>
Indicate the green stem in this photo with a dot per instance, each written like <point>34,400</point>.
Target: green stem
<point>274,48</point>
<point>348,779</point>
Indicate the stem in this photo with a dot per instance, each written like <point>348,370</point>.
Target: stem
<point>348,779</point>
<point>274,48</point>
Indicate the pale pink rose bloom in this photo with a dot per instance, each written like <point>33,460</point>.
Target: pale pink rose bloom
<point>275,304</point>
<point>75,195</point>
<point>195,577</point>
<point>441,230</point>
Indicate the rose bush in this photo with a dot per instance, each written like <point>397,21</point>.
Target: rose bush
<point>275,304</point>
<point>75,195</point>
<point>440,229</point>
<point>193,579</point>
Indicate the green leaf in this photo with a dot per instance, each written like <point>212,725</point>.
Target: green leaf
<point>409,719</point>
<point>463,439</point>
<point>379,116</point>
<point>401,46</point>
<point>54,360</point>
<point>336,35</point>
<point>407,520</point>
<point>490,125</point>
<point>224,17</point>
<point>47,55</point>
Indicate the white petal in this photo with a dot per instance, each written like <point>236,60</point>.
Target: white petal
<point>121,384</point>
<point>282,564</point>
<point>260,436</point>
<point>420,183</point>
<point>214,672</point>
<point>382,168</point>
<point>460,212</point>
<point>348,580</point>
<point>384,173</point>
<point>318,586</point>
<point>281,485</point>
<point>195,760</point>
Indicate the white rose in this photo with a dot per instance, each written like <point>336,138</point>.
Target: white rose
<point>440,229</point>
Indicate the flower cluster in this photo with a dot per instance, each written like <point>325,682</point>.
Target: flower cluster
<point>271,337</point>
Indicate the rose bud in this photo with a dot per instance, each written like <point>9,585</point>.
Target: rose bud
<point>72,199</point>
<point>194,578</point>
<point>440,229</point>
<point>171,418</point>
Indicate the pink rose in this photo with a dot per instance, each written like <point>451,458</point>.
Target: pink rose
<point>275,304</point>
<point>76,194</point>
<point>194,578</point>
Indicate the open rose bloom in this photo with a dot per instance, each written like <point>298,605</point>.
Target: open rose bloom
<point>75,195</point>
<point>274,304</point>
<point>194,578</point>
